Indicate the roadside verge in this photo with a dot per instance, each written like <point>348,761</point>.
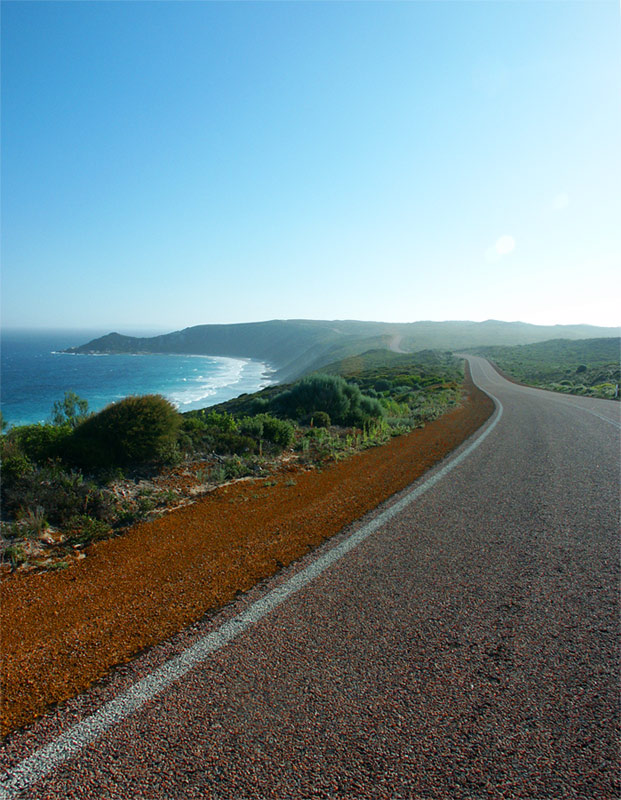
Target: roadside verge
<point>65,630</point>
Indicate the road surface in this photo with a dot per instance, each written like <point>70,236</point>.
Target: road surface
<point>460,641</point>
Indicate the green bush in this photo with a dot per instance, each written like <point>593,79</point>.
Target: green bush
<point>277,431</point>
<point>59,495</point>
<point>343,402</point>
<point>223,422</point>
<point>33,522</point>
<point>136,430</point>
<point>259,404</point>
<point>252,426</point>
<point>194,423</point>
<point>71,410</point>
<point>266,428</point>
<point>15,464</point>
<point>320,420</point>
<point>234,467</point>
<point>222,442</point>
<point>365,409</point>
<point>41,442</point>
<point>84,530</point>
<point>15,554</point>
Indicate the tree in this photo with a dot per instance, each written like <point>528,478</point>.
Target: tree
<point>71,410</point>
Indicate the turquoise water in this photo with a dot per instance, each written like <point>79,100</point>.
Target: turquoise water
<point>35,374</point>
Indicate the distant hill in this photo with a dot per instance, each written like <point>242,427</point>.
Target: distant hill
<point>295,347</point>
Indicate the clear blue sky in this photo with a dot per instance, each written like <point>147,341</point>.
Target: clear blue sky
<point>170,164</point>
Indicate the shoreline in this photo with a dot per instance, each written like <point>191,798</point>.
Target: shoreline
<point>33,374</point>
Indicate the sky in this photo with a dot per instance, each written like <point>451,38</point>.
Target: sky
<point>167,164</point>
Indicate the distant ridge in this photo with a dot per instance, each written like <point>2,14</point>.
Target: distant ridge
<point>296,346</point>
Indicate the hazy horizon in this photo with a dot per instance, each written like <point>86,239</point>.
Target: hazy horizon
<point>150,330</point>
<point>166,165</point>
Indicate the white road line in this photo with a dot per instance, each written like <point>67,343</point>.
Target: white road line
<point>68,744</point>
<point>599,416</point>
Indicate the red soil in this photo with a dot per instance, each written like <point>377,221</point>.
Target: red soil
<point>64,630</point>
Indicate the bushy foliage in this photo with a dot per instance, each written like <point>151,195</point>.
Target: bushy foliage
<point>252,426</point>
<point>278,432</point>
<point>15,463</point>
<point>343,402</point>
<point>221,433</point>
<point>223,422</point>
<point>259,404</point>
<point>38,443</point>
<point>136,430</point>
<point>223,443</point>
<point>71,410</point>
<point>60,495</point>
<point>235,467</point>
<point>83,529</point>
<point>320,420</point>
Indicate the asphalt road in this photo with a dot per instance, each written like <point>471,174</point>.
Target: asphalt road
<point>462,645</point>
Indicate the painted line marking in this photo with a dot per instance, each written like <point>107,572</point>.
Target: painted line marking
<point>599,416</point>
<point>68,744</point>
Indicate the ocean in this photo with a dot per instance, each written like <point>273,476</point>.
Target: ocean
<point>35,373</point>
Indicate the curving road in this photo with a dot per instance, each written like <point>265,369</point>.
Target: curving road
<point>458,642</point>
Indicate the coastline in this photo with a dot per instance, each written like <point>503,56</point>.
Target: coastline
<point>34,377</point>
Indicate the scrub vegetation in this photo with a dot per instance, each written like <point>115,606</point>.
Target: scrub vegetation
<point>586,367</point>
<point>82,477</point>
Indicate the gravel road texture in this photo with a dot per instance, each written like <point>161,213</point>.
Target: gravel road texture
<point>466,649</point>
<point>64,630</point>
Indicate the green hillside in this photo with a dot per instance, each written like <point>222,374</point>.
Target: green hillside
<point>587,367</point>
<point>295,347</point>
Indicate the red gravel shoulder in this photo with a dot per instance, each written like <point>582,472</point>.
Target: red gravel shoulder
<point>63,631</point>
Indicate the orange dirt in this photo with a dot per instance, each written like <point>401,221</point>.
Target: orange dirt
<point>64,630</point>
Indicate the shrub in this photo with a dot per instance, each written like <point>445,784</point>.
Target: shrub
<point>343,402</point>
<point>71,410</point>
<point>34,522</point>
<point>314,393</point>
<point>223,422</point>
<point>170,453</point>
<point>84,530</point>
<point>191,424</point>
<point>217,474</point>
<point>277,431</point>
<point>259,404</point>
<point>58,494</point>
<point>320,420</point>
<point>136,430</point>
<point>15,554</point>
<point>266,428</point>
<point>41,442</point>
<point>234,467</point>
<point>370,407</point>
<point>14,463</point>
<point>222,442</point>
<point>252,426</point>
